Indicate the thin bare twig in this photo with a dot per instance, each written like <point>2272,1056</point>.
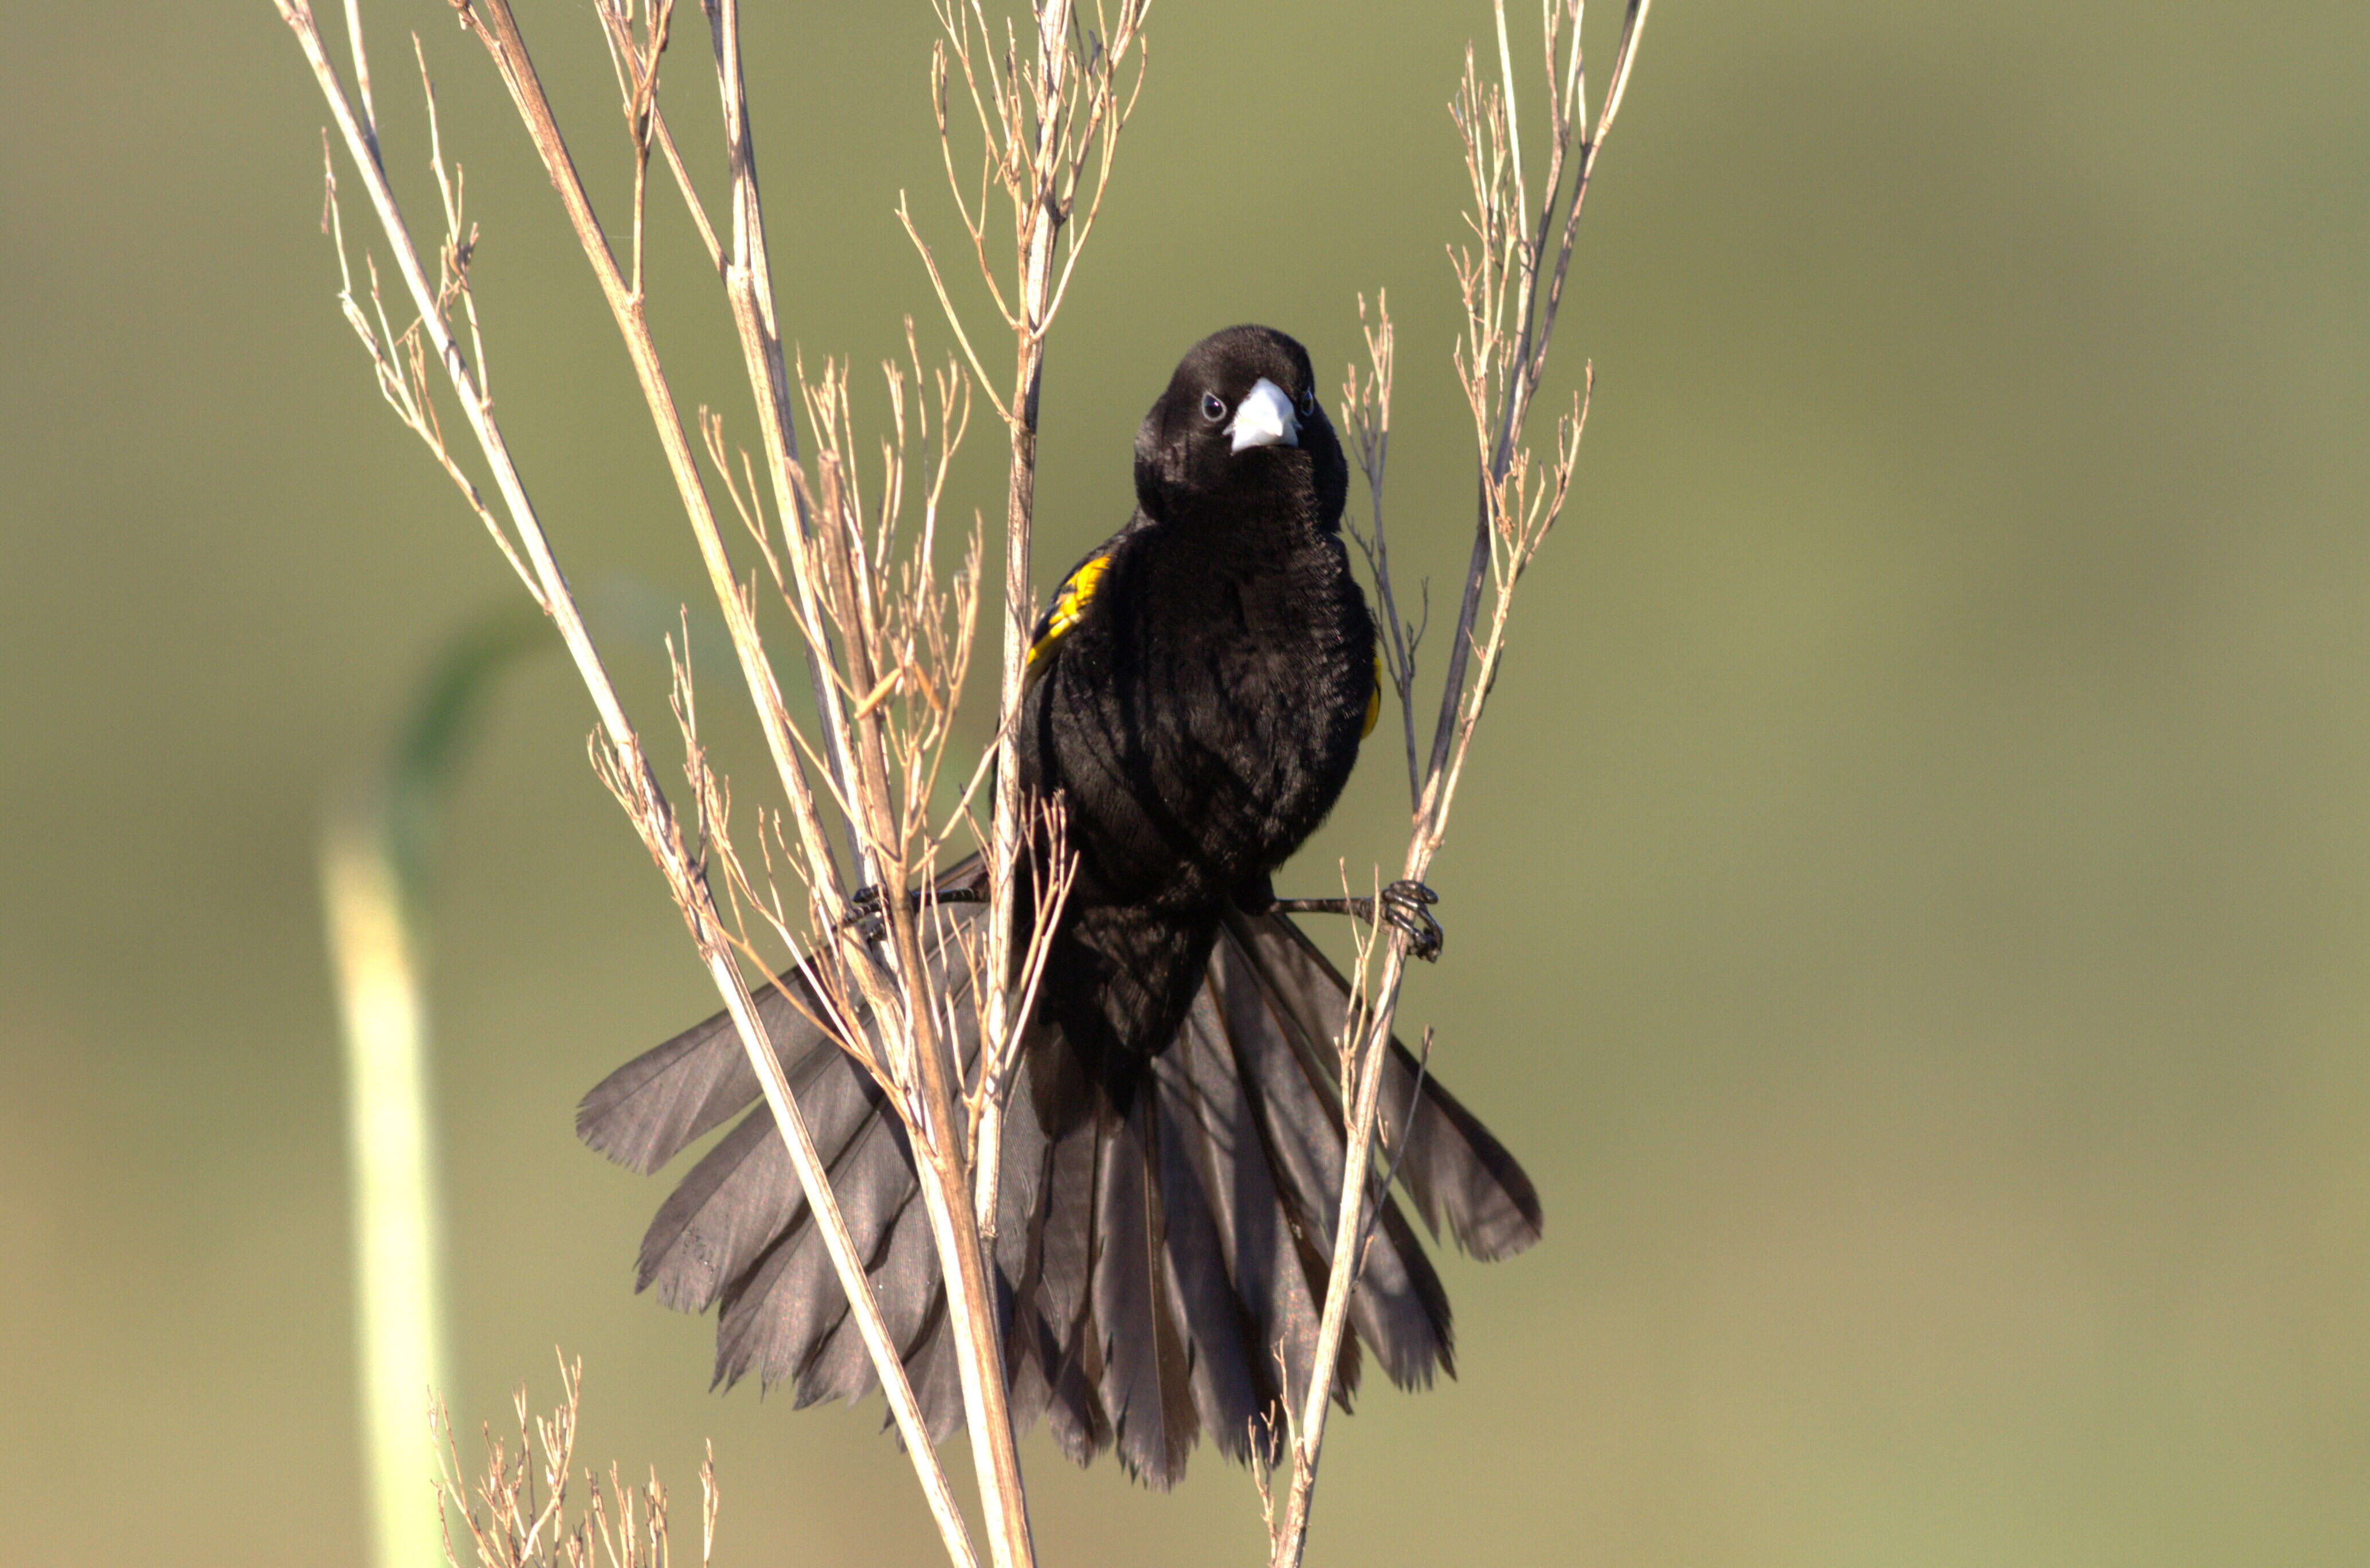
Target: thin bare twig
<point>1511,296</point>
<point>1366,417</point>
<point>626,767</point>
<point>1047,128</point>
<point>516,1513</point>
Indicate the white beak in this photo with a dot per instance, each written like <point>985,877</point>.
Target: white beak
<point>1265,418</point>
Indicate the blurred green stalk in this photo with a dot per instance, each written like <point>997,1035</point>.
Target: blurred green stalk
<point>373,860</point>
<point>375,854</point>
<point>398,1286</point>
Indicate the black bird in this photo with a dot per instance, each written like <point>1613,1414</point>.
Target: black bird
<point>1173,1151</point>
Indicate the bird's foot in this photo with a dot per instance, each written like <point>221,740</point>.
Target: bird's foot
<point>867,914</point>
<point>1407,906</point>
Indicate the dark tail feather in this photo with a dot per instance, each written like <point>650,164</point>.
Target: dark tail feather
<point>1467,1175</point>
<point>905,1279</point>
<point>1056,1307</point>
<point>1399,1307</point>
<point>880,1195</point>
<point>1232,1384</point>
<point>1301,1133</point>
<point>937,1382</point>
<point>1449,1163</point>
<point>1258,1237</point>
<point>1019,1256</point>
<point>743,1192</point>
<point>1144,1389</point>
<point>664,1099</point>
<point>1162,1244</point>
<point>774,1316</point>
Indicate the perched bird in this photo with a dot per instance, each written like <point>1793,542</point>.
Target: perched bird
<point>1173,1152</point>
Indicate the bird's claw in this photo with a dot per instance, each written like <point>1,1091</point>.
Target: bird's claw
<point>1404,905</point>
<point>866,915</point>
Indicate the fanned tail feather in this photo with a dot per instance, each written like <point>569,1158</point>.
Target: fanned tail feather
<point>1449,1164</point>
<point>1164,1234</point>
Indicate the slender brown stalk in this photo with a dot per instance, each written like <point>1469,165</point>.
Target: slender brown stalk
<point>1500,363</point>
<point>1020,595</point>
<point>1366,418</point>
<point>494,24</point>
<point>627,771</point>
<point>1048,137</point>
<point>944,1143</point>
<point>749,287</point>
<point>943,1159</point>
<point>979,1347</point>
<point>864,775</point>
<point>1518,362</point>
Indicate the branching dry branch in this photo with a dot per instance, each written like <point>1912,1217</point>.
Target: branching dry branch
<point>1511,282</point>
<point>617,745</point>
<point>1049,129</point>
<point>515,1513</point>
<point>886,636</point>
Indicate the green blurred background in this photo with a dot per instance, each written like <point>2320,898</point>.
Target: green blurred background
<point>1909,908</point>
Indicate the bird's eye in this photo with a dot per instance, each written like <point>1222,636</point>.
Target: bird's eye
<point>1213,407</point>
<point>1307,404</point>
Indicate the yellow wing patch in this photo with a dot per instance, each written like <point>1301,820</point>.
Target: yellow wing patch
<point>1069,604</point>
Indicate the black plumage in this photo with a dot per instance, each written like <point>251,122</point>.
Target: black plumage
<point>1173,1154</point>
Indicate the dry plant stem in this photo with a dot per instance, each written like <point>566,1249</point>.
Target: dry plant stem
<point>979,1349</point>
<point>1367,415</point>
<point>942,1150</point>
<point>516,1513</point>
<point>749,287</point>
<point>631,771</point>
<point>1500,372</point>
<point>939,1149</point>
<point>1568,111</point>
<point>1035,240</point>
<point>493,23</point>
<point>499,30</point>
<point>362,73</point>
<point>1289,1536</point>
<point>1040,128</point>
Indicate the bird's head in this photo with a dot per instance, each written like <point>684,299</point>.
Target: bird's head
<point>1240,421</point>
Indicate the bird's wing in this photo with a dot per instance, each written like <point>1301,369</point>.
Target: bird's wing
<point>1069,604</point>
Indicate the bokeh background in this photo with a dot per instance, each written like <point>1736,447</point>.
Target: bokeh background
<point>1909,911</point>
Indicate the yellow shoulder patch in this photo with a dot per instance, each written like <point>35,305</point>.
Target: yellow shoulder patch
<point>1069,604</point>
<point>1373,698</point>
